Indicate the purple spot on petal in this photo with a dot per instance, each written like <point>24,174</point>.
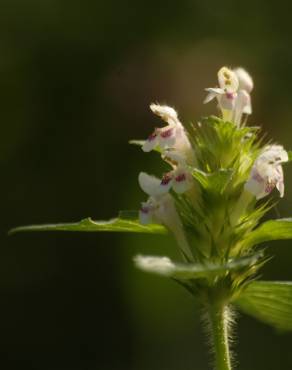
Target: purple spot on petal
<point>145,210</point>
<point>230,96</point>
<point>167,133</point>
<point>152,136</point>
<point>166,179</point>
<point>269,187</point>
<point>181,177</point>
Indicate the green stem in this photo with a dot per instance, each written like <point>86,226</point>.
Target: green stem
<point>219,319</point>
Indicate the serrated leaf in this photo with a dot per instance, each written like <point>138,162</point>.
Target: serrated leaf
<point>164,266</point>
<point>270,230</point>
<point>215,182</point>
<point>88,225</point>
<point>268,301</point>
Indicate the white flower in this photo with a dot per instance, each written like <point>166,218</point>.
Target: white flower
<point>232,94</point>
<point>179,179</point>
<point>159,207</point>
<point>159,265</point>
<point>267,172</point>
<point>171,136</point>
<point>227,91</point>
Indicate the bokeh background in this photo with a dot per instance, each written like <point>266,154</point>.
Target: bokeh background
<point>76,80</point>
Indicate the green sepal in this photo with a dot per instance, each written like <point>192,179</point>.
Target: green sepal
<point>268,301</point>
<point>221,144</point>
<point>215,182</point>
<point>270,230</point>
<point>186,271</point>
<point>121,224</point>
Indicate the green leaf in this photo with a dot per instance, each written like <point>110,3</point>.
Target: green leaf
<point>270,230</point>
<point>268,301</point>
<point>88,225</point>
<point>289,155</point>
<point>215,182</point>
<point>164,266</point>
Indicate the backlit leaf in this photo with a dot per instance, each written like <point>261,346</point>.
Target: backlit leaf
<point>88,225</point>
<point>268,301</point>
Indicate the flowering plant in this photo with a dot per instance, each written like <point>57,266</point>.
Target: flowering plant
<point>218,187</point>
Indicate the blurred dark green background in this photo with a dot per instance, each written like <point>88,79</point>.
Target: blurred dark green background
<point>76,81</point>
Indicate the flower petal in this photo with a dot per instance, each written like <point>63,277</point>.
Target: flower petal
<point>182,182</point>
<point>244,79</point>
<point>212,93</point>
<point>258,189</point>
<point>228,80</point>
<point>145,214</point>
<point>174,157</point>
<point>227,101</point>
<point>242,105</point>
<point>150,143</point>
<point>149,184</point>
<point>167,137</point>
<point>165,112</point>
<point>166,182</point>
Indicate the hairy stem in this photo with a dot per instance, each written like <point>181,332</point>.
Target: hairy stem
<point>219,321</point>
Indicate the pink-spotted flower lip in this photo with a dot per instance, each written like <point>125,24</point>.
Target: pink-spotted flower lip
<point>147,211</point>
<point>172,136</point>
<point>161,137</point>
<point>179,179</point>
<point>166,179</point>
<point>153,136</point>
<point>159,207</point>
<point>267,172</point>
<point>232,94</point>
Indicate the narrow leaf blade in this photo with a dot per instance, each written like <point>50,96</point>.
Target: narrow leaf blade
<point>88,225</point>
<point>164,266</point>
<point>268,301</point>
<point>270,230</point>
